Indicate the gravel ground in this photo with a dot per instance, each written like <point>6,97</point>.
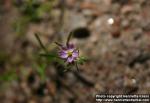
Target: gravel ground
<point>113,34</point>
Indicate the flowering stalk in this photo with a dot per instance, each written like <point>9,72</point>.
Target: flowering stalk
<point>68,53</point>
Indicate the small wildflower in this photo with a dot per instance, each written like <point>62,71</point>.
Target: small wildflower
<point>69,53</point>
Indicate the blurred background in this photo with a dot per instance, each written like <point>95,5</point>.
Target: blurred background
<point>113,34</point>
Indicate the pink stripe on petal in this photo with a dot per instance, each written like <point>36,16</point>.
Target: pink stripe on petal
<point>70,46</point>
<point>63,55</point>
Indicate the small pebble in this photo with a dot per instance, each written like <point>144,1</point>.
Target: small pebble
<point>110,21</point>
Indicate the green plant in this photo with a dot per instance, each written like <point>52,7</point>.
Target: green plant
<point>67,56</point>
<point>31,11</point>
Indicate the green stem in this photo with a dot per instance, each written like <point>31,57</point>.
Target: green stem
<point>40,42</point>
<point>69,37</point>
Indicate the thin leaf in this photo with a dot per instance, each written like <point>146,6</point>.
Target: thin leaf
<point>77,67</point>
<point>58,44</point>
<point>40,42</point>
<point>41,71</point>
<point>69,37</point>
<point>51,56</point>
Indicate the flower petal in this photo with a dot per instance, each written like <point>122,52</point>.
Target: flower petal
<point>75,54</point>
<point>70,46</point>
<point>70,59</point>
<point>63,55</point>
<point>63,49</point>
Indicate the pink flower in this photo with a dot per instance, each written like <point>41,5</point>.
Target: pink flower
<point>69,53</point>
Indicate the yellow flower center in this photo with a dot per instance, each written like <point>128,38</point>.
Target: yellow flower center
<point>69,53</point>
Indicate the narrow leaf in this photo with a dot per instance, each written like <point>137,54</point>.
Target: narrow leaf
<point>40,42</point>
<point>69,37</point>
